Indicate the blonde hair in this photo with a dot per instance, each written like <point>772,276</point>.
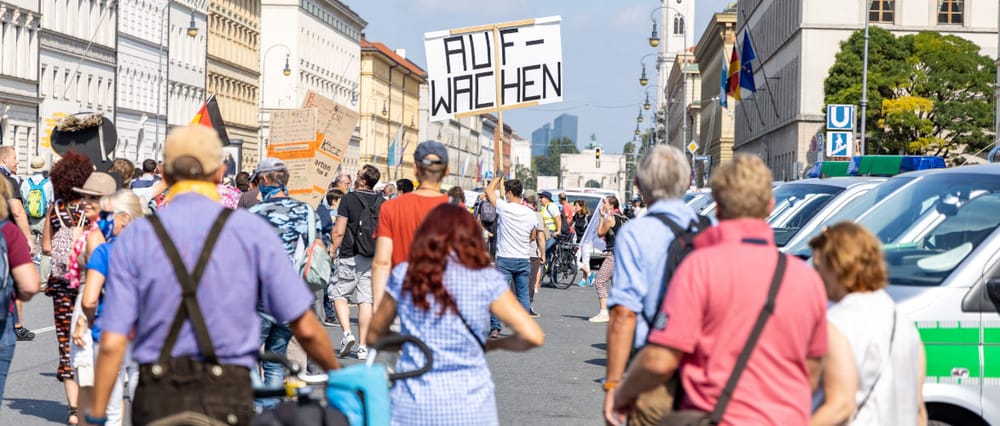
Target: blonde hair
<point>853,254</point>
<point>124,201</point>
<point>742,188</point>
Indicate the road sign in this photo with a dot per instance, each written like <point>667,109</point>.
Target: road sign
<point>701,158</point>
<point>840,117</point>
<point>489,174</point>
<point>839,144</point>
<point>692,147</point>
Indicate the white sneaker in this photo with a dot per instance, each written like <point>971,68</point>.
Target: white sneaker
<point>346,344</point>
<point>362,352</point>
<point>600,317</point>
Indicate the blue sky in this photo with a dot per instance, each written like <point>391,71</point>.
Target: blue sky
<point>602,44</point>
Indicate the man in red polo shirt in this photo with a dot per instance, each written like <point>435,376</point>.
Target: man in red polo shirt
<point>714,300</point>
<point>399,217</point>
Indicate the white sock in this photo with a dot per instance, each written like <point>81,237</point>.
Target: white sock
<point>603,312</point>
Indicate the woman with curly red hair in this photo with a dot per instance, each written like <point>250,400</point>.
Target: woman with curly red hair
<point>71,171</point>
<point>445,299</point>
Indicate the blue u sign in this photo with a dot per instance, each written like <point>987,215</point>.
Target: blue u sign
<point>840,117</point>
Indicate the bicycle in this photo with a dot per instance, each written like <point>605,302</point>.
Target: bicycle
<point>562,267</point>
<point>355,395</point>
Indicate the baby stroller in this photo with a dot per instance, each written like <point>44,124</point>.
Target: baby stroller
<point>356,395</point>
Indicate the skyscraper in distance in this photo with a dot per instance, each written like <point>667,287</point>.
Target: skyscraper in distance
<point>540,140</point>
<point>565,126</point>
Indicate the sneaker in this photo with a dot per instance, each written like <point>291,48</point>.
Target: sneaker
<point>591,278</point>
<point>331,322</point>
<point>494,334</point>
<point>362,352</point>
<point>583,282</point>
<point>533,314</point>
<point>23,334</point>
<point>346,344</point>
<point>601,317</point>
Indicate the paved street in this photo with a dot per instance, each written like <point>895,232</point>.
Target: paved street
<point>553,385</point>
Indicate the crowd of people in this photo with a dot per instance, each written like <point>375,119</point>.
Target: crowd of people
<point>703,322</point>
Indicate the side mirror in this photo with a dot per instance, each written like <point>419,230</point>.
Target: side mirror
<point>993,291</point>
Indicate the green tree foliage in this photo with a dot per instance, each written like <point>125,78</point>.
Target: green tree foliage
<point>551,163</point>
<point>526,176</point>
<point>928,93</point>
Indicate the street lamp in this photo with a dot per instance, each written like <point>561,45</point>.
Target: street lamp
<point>639,118</point>
<point>864,86</point>
<point>637,130</point>
<point>192,30</point>
<point>642,77</point>
<point>645,105</point>
<point>385,111</point>
<point>286,71</point>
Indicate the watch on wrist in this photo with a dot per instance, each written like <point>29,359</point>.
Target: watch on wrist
<point>610,384</point>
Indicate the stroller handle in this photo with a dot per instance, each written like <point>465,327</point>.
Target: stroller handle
<point>399,340</point>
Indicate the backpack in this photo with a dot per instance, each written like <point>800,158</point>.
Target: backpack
<point>364,231</point>
<point>314,265</point>
<point>6,283</point>
<point>62,242</point>
<point>680,247</point>
<point>487,213</point>
<point>36,202</point>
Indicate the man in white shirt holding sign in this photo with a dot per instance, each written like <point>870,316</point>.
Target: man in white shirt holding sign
<point>514,245</point>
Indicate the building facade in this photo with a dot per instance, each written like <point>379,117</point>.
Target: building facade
<point>233,71</point>
<point>520,152</point>
<point>77,64</point>
<point>585,170</point>
<point>390,108</point>
<point>716,125</point>
<point>187,63</point>
<point>462,136</point>
<point>565,126</point>
<point>676,32</point>
<point>318,44</point>
<point>796,43</point>
<point>684,101</point>
<point>540,139</point>
<point>141,101</point>
<point>20,22</point>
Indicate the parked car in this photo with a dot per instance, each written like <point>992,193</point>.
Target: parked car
<point>942,249</point>
<point>697,200</point>
<point>797,203</point>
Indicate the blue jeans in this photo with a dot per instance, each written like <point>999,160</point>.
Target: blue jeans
<point>550,246</point>
<point>7,343</point>
<point>275,337</point>
<point>517,270</point>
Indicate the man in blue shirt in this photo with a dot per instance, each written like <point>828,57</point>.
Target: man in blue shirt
<point>143,296</point>
<point>640,260</point>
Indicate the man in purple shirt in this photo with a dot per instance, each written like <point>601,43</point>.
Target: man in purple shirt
<point>143,294</point>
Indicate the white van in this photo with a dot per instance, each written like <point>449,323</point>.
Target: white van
<point>942,249</point>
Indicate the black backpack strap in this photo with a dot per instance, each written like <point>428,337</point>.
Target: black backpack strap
<point>758,327</point>
<point>189,295</point>
<point>678,233</point>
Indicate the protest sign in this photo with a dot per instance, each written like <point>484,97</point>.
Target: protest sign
<point>294,125</point>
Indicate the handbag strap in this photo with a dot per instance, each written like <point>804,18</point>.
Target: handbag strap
<point>892,338</point>
<point>189,295</point>
<point>741,362</point>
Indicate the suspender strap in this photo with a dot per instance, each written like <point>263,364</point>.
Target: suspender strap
<point>741,362</point>
<point>189,294</point>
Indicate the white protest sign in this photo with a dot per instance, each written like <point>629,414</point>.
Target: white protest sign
<point>462,65</point>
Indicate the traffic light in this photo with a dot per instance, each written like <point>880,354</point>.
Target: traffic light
<point>597,153</point>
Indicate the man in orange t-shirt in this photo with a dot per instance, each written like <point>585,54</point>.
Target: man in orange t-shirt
<point>399,217</point>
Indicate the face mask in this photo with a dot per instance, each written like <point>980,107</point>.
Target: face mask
<point>106,224</point>
<point>266,192</point>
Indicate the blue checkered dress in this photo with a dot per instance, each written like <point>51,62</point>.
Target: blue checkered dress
<point>459,389</point>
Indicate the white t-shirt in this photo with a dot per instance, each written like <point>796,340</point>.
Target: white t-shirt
<point>866,320</point>
<point>516,222</point>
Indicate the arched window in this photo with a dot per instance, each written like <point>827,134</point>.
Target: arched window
<point>678,25</point>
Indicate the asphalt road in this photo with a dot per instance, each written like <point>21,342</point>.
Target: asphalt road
<point>557,384</point>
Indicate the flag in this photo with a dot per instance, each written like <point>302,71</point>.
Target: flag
<point>746,64</point>
<point>465,165</point>
<point>394,153</point>
<point>723,97</point>
<point>210,116</point>
<point>391,155</point>
<point>479,171</point>
<point>733,84</point>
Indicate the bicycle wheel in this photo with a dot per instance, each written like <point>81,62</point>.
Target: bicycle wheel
<point>564,269</point>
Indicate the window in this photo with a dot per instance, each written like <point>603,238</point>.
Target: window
<point>678,25</point>
<point>951,11</point>
<point>882,11</point>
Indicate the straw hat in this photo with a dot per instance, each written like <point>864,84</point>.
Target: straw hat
<point>98,184</point>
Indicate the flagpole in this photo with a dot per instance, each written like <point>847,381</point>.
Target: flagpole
<point>767,81</point>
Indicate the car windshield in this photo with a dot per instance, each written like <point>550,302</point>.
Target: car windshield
<point>930,226</point>
<point>697,200</point>
<point>850,212</point>
<point>795,204</point>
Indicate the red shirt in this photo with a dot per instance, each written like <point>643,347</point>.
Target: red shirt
<point>399,218</point>
<point>713,302</point>
<point>18,252</point>
<point>567,211</point>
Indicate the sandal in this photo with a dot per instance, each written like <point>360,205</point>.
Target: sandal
<point>74,416</point>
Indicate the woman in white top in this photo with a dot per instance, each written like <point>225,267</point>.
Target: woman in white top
<point>883,340</point>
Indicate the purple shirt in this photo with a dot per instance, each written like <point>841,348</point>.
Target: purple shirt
<point>249,265</point>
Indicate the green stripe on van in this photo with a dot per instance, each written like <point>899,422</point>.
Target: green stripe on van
<point>959,335</point>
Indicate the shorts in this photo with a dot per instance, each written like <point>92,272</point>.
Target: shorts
<point>354,275</point>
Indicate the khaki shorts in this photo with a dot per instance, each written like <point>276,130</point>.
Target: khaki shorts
<point>354,276</point>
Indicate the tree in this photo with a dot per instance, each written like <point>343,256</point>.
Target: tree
<point>906,73</point>
<point>526,176</point>
<point>551,163</point>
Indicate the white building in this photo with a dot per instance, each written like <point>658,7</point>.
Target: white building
<point>186,68</point>
<point>520,152</point>
<point>462,136</point>
<point>317,43</point>
<point>19,25</point>
<point>77,62</point>
<point>676,31</point>
<point>797,41</point>
<point>684,101</point>
<point>584,170</point>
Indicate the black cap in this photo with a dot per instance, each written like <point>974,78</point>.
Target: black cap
<point>428,148</point>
